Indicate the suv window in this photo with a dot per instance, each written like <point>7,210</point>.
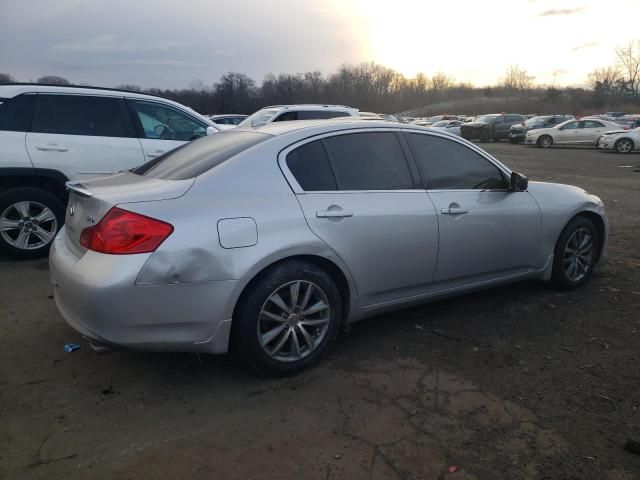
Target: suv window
<point>320,114</point>
<point>82,115</point>
<point>514,118</point>
<point>369,161</point>
<point>164,122</point>
<point>448,165</point>
<point>15,113</point>
<point>195,158</point>
<point>310,166</point>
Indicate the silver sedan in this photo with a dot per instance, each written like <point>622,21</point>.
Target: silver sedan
<point>274,237</point>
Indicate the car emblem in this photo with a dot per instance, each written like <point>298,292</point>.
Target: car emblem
<point>72,210</point>
<point>90,219</point>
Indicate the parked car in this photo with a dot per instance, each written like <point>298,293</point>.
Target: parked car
<point>281,113</point>
<point>517,132</point>
<point>232,120</point>
<point>572,132</point>
<point>275,237</point>
<point>615,114</point>
<point>628,123</point>
<point>451,126</point>
<point>621,141</point>
<point>51,134</point>
<point>491,127</point>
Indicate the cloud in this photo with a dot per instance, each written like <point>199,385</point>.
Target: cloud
<point>112,44</point>
<point>585,46</point>
<point>562,11</point>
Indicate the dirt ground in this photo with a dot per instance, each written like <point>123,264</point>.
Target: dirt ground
<point>517,382</point>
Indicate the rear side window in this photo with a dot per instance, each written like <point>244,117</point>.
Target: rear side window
<point>310,166</point>
<point>448,165</point>
<point>15,113</point>
<point>82,115</point>
<point>369,161</point>
<point>592,124</point>
<point>200,156</point>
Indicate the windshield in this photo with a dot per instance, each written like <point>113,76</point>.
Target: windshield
<point>536,121</point>
<point>486,118</point>
<point>197,157</point>
<point>258,118</point>
<point>442,123</point>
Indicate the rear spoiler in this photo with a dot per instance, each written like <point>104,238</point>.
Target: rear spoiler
<point>79,189</point>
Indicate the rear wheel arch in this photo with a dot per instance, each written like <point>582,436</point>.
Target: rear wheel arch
<point>333,270</point>
<point>51,181</point>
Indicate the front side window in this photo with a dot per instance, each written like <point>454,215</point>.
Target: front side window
<point>286,117</point>
<point>448,165</point>
<point>571,126</point>
<point>163,122</point>
<point>310,166</point>
<point>15,113</point>
<point>369,161</point>
<point>82,115</point>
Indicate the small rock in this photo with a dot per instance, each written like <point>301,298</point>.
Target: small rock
<point>337,456</point>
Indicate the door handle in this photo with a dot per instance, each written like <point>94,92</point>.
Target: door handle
<point>52,148</point>
<point>333,214</point>
<point>157,153</point>
<point>453,211</point>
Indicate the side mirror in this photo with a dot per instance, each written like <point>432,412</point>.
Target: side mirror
<point>211,130</point>
<point>518,183</point>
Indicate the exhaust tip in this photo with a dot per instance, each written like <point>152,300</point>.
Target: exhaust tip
<point>100,348</point>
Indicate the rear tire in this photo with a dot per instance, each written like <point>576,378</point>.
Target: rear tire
<point>575,254</point>
<point>484,136</point>
<point>288,318</point>
<point>545,141</point>
<point>29,220</point>
<point>624,145</point>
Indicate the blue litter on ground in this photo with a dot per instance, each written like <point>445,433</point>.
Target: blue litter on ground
<point>71,347</point>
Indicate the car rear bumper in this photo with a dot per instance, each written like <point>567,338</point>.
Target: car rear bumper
<point>97,296</point>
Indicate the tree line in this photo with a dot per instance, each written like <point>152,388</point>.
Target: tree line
<point>373,87</point>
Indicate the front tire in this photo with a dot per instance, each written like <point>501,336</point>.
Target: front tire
<point>545,141</point>
<point>624,145</point>
<point>29,220</point>
<point>288,319</point>
<point>575,254</point>
<point>485,136</point>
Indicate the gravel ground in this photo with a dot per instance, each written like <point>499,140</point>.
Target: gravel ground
<point>516,382</point>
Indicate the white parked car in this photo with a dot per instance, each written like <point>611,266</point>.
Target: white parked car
<point>621,141</point>
<point>451,126</point>
<point>572,132</point>
<point>50,135</point>
<point>283,113</point>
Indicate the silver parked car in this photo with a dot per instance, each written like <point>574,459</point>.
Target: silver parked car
<point>274,237</point>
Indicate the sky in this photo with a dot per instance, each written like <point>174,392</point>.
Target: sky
<point>171,43</point>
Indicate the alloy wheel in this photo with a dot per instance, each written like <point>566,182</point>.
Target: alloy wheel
<point>578,255</point>
<point>293,321</point>
<point>28,225</point>
<point>624,146</point>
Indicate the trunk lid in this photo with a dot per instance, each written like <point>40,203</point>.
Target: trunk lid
<point>90,200</point>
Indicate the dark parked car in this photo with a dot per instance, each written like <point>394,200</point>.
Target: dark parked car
<point>491,127</point>
<point>518,131</point>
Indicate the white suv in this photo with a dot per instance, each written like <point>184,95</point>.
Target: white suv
<point>51,134</point>
<point>282,113</point>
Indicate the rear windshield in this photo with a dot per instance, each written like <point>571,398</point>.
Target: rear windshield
<point>200,156</point>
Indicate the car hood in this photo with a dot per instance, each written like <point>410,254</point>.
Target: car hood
<point>614,132</point>
<point>560,195</point>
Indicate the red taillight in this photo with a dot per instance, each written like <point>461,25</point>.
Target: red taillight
<point>121,232</point>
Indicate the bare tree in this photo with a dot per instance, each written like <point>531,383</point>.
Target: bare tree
<point>629,61</point>
<point>6,78</point>
<point>54,80</point>
<point>517,78</point>
<point>441,83</point>
<point>603,80</point>
<point>130,87</point>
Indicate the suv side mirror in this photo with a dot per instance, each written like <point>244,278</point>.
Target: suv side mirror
<point>518,183</point>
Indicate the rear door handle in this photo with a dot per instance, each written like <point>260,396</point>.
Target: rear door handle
<point>333,214</point>
<point>52,148</point>
<point>453,211</point>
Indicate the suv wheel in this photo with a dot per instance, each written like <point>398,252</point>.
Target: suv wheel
<point>624,145</point>
<point>29,221</point>
<point>289,319</point>
<point>485,136</point>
